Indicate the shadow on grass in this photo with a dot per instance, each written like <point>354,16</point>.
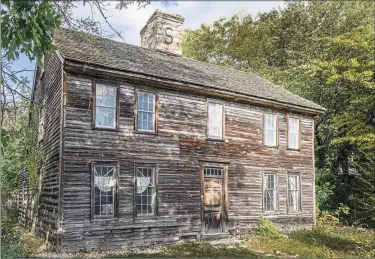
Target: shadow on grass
<point>336,242</point>
<point>195,250</point>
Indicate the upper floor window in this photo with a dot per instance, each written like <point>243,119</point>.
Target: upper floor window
<point>146,193</point>
<point>215,120</point>
<point>293,133</point>
<point>145,112</point>
<point>270,130</point>
<point>293,193</point>
<point>105,183</point>
<point>269,192</point>
<point>105,106</point>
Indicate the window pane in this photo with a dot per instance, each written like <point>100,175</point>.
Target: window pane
<point>293,193</point>
<point>270,130</point>
<point>293,140</point>
<point>215,120</point>
<point>293,133</point>
<point>269,192</point>
<point>145,190</point>
<point>105,96</point>
<point>145,111</point>
<point>213,171</point>
<point>105,106</point>
<point>105,117</point>
<point>104,182</point>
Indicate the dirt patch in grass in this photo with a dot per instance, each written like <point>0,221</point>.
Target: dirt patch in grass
<point>198,250</point>
<point>186,249</point>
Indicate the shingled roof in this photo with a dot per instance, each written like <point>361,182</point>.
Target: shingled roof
<point>100,51</point>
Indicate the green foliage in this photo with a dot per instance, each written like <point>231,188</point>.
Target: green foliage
<point>17,242</point>
<point>321,50</point>
<point>339,242</point>
<point>10,247</point>
<point>324,190</point>
<point>326,223</point>
<point>267,229</point>
<point>20,145</point>
<point>27,26</point>
<point>13,250</point>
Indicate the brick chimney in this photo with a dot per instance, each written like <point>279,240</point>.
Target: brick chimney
<point>163,32</point>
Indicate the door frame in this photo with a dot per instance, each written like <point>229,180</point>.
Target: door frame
<point>224,196</point>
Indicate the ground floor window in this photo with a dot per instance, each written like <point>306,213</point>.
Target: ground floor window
<point>293,193</point>
<point>105,183</point>
<point>269,192</point>
<point>145,191</point>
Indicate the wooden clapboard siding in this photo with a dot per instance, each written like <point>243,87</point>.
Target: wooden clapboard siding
<point>23,209</point>
<point>41,209</point>
<point>177,148</point>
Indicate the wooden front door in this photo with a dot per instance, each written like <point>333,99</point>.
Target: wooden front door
<point>213,200</point>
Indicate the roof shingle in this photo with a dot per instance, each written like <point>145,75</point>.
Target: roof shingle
<point>105,52</point>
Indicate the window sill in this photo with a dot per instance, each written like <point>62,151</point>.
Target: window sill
<point>109,218</point>
<point>215,139</point>
<point>274,147</point>
<point>270,213</point>
<point>104,128</point>
<point>295,213</point>
<point>146,217</point>
<point>293,149</point>
<point>145,132</point>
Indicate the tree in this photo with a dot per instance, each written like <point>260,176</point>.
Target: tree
<point>322,50</point>
<point>27,28</point>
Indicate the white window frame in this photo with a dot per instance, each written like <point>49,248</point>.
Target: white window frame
<point>209,121</point>
<point>297,191</point>
<point>153,195</point>
<point>114,190</point>
<point>274,130</point>
<point>275,192</point>
<point>97,107</point>
<point>153,130</point>
<point>296,134</point>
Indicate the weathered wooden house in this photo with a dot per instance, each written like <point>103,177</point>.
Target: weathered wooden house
<point>143,146</point>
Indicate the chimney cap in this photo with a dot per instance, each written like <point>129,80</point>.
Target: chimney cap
<point>165,15</point>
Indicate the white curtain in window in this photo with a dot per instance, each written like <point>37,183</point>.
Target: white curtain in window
<point>105,106</point>
<point>270,129</point>
<point>293,133</point>
<point>142,183</point>
<point>215,120</point>
<point>293,192</point>
<point>269,192</point>
<point>104,183</point>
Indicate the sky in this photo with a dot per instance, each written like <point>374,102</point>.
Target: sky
<point>131,20</point>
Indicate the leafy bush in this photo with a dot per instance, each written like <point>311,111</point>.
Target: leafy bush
<point>17,242</point>
<point>267,229</point>
<point>329,222</point>
<point>326,223</point>
<point>13,250</point>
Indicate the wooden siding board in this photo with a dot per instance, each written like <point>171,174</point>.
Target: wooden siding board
<point>42,208</point>
<point>176,149</point>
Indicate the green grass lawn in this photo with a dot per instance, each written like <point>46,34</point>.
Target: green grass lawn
<point>194,250</point>
<point>344,242</point>
<point>267,242</point>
